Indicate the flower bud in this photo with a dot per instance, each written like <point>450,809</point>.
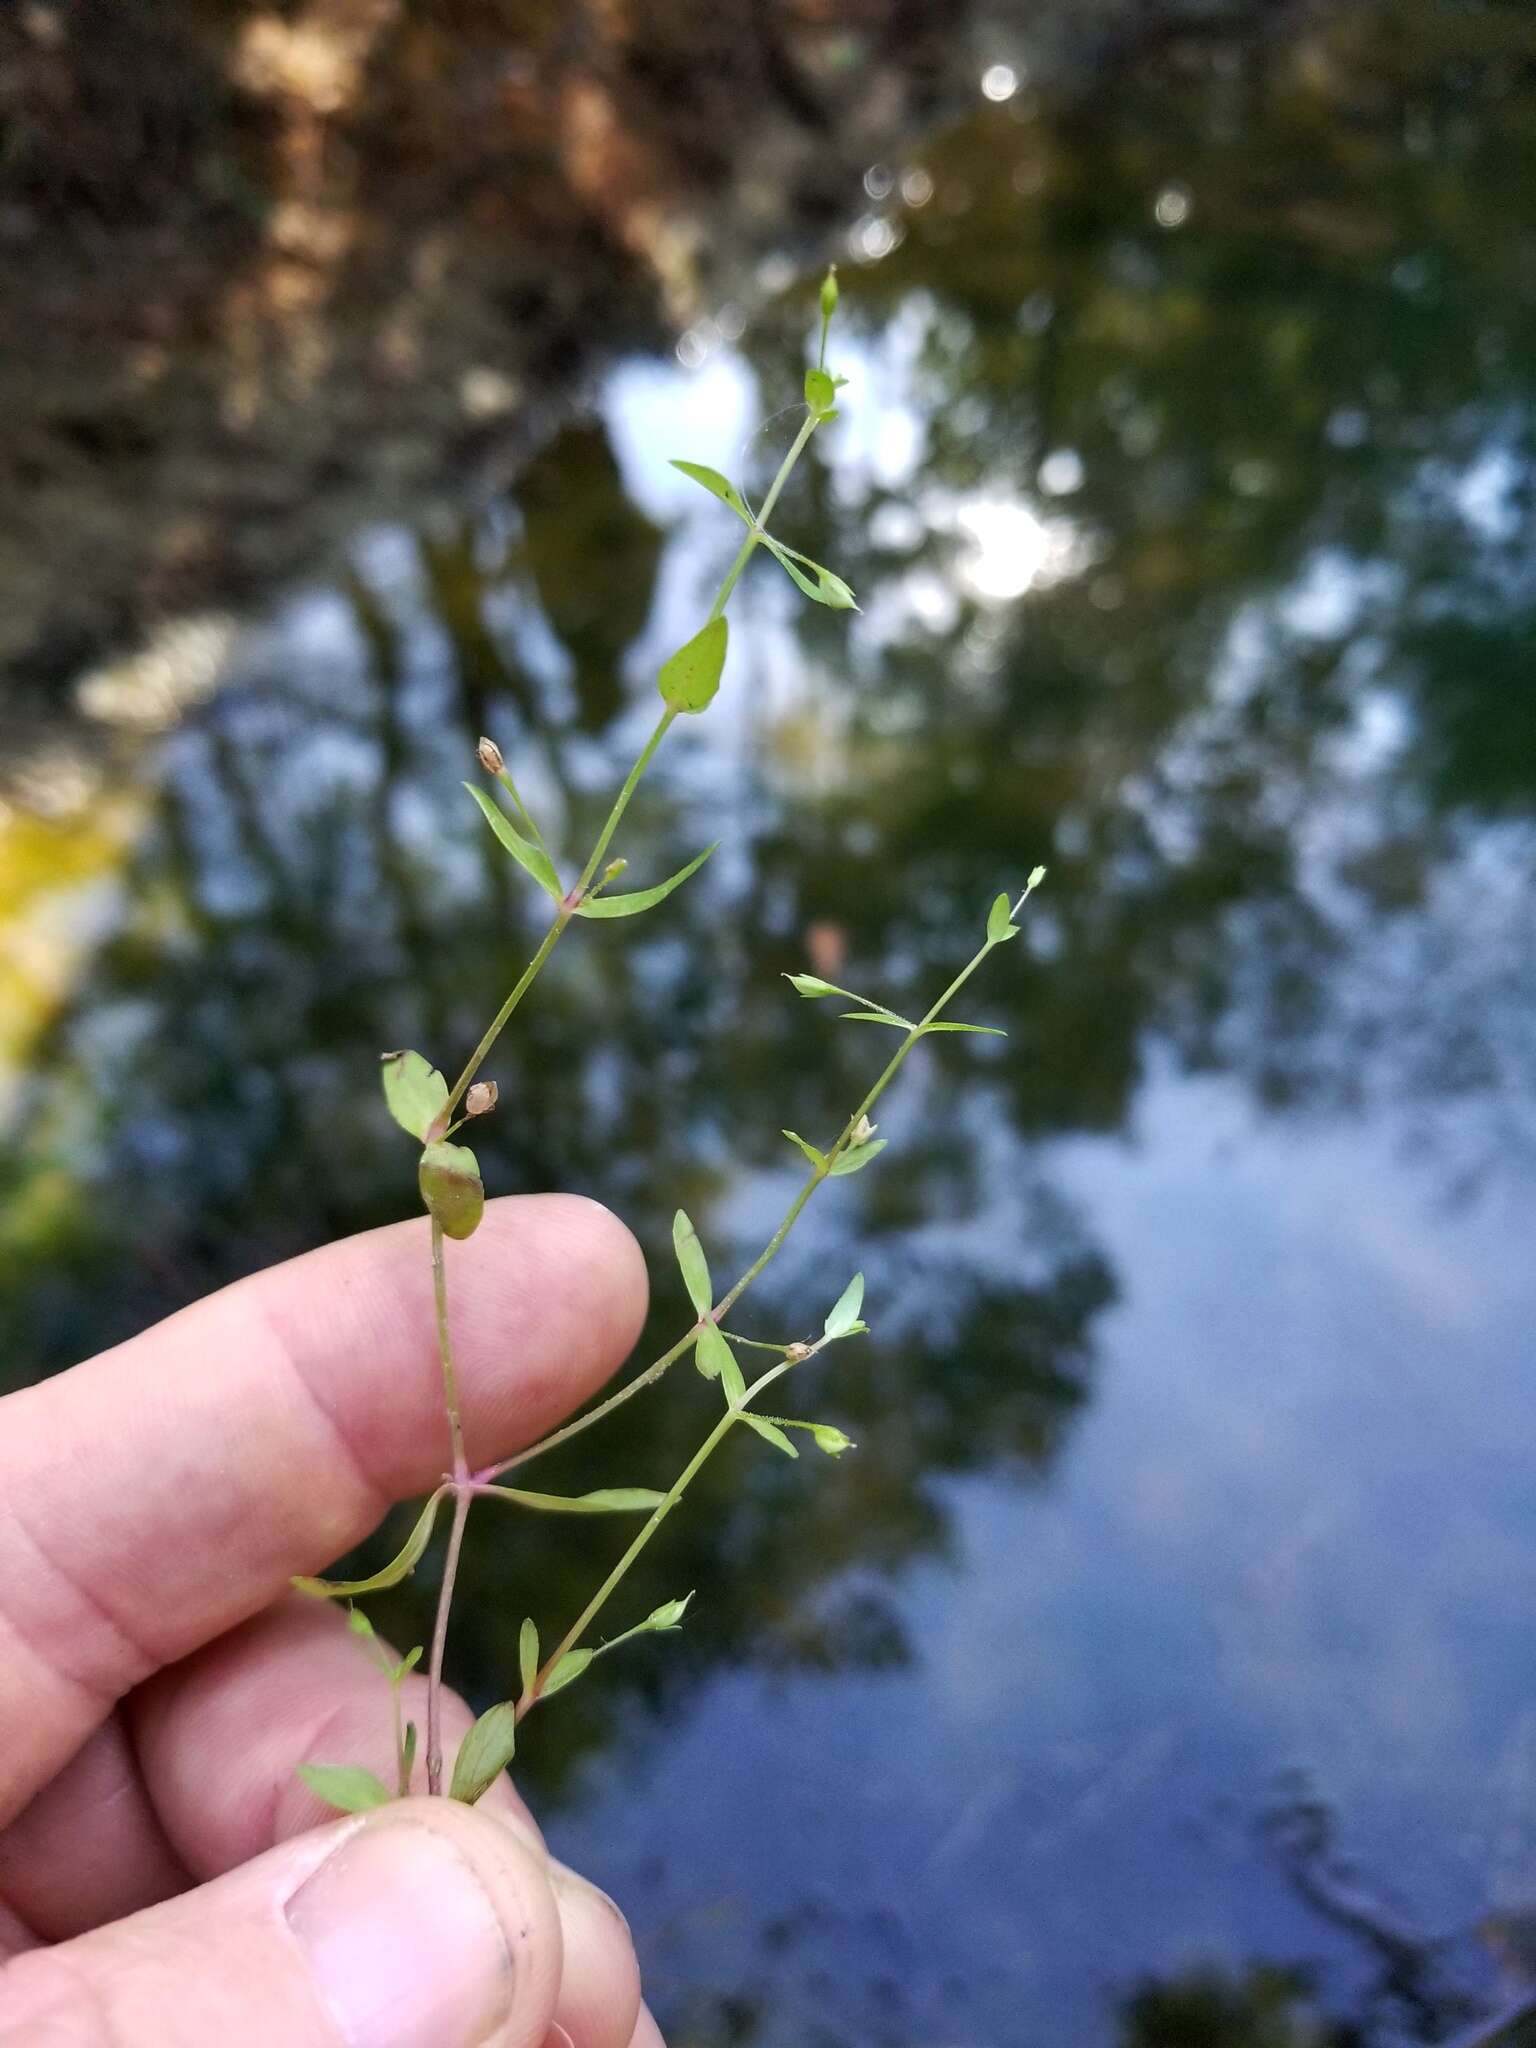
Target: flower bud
<point>795,1352</point>
<point>481,1099</point>
<point>863,1131</point>
<point>829,292</point>
<point>614,869</point>
<point>490,757</point>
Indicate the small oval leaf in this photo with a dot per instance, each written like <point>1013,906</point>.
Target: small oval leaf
<point>397,1569</point>
<point>642,899</point>
<point>844,1312</point>
<point>719,486</point>
<point>415,1091</point>
<point>528,1654</point>
<point>857,1156</point>
<point>689,679</point>
<point>533,858</point>
<point>1000,924</point>
<point>690,1257</point>
<point>451,1187</point>
<point>770,1433</point>
<point>714,1357</point>
<point>817,1159</point>
<point>484,1753</point>
<point>347,1787</point>
<point>567,1671</point>
<point>820,391</point>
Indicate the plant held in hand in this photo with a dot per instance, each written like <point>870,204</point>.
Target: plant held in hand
<point>434,1114</point>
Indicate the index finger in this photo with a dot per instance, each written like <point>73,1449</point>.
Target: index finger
<point>170,1488</point>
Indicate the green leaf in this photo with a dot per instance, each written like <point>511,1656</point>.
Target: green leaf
<point>397,1569</point>
<point>735,1387</point>
<point>690,1256</point>
<point>416,1092</point>
<point>689,679</point>
<point>981,1030</point>
<point>523,851</point>
<point>820,391</point>
<point>830,1440</point>
<point>642,899</point>
<point>817,1159</point>
<point>567,1671</point>
<point>844,1312</point>
<point>451,1187</point>
<point>1000,924</point>
<point>347,1787</point>
<point>484,1753</point>
<point>406,1665</point>
<point>875,1017</point>
<point>359,1623</point>
<point>770,1433</point>
<point>715,1358</point>
<point>607,1500</point>
<point>857,1156</point>
<point>528,1654</point>
<point>827,588</point>
<point>407,1758</point>
<point>720,486</point>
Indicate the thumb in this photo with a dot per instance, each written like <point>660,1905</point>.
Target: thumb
<point>423,1926</point>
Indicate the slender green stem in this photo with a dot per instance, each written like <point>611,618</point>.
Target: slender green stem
<point>621,802</point>
<point>674,1494</point>
<point>658,1366</point>
<point>808,427</point>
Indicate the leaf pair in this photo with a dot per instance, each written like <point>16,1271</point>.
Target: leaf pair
<point>711,1354</point>
<point>821,585</point>
<point>538,864</point>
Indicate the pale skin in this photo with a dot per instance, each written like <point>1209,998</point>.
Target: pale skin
<point>165,1879</point>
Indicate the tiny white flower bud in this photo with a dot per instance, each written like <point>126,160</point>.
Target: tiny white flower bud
<point>863,1131</point>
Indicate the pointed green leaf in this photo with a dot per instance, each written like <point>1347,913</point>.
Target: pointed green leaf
<point>397,1569</point>
<point>1000,924</point>
<point>731,1381</point>
<point>875,1017</point>
<point>827,589</point>
<point>415,1091</point>
<point>407,1759</point>
<point>642,899</point>
<point>523,851</point>
<point>347,1787</point>
<point>607,1500</point>
<point>770,1433</point>
<point>406,1665</point>
<point>567,1671</point>
<point>817,1159</point>
<point>689,679</point>
<point>484,1753</point>
<point>715,1359</point>
<point>528,1654</point>
<point>820,391</point>
<point>451,1187</point>
<point>720,486</point>
<point>981,1030</point>
<point>690,1256</point>
<point>857,1156</point>
<point>844,1312</point>
<point>830,1440</point>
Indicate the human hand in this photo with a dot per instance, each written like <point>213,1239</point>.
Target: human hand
<point>164,1881</point>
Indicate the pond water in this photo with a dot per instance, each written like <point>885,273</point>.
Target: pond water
<point>1159,1669</point>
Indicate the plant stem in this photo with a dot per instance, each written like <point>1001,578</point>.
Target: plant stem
<point>445,1353</point>
<point>744,555</point>
<point>727,1301</point>
<point>675,1492</point>
<point>440,1641</point>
